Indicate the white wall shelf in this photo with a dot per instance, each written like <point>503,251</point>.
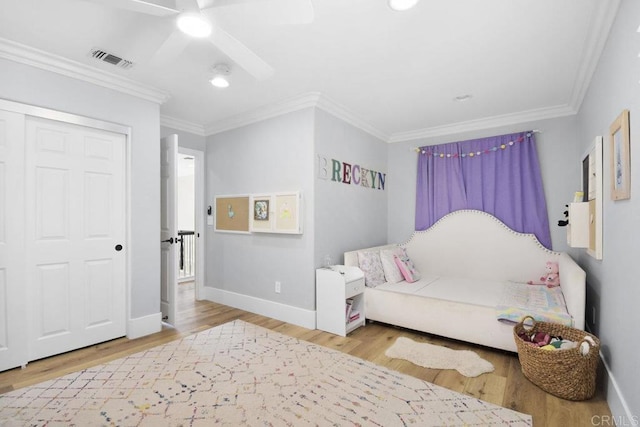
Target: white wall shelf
<point>585,218</point>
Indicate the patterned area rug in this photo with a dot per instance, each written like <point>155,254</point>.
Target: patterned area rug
<point>242,374</point>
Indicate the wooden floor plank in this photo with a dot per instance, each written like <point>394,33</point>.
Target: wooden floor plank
<point>489,388</point>
<point>506,386</point>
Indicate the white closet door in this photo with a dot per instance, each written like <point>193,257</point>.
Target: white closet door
<point>75,233</point>
<point>13,331</point>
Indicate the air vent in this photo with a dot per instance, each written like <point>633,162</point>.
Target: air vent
<point>110,58</point>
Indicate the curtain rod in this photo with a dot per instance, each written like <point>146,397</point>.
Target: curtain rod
<point>417,149</point>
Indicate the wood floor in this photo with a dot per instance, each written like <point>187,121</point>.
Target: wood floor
<point>506,386</point>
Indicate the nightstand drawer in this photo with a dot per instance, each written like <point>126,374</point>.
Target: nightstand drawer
<point>354,288</point>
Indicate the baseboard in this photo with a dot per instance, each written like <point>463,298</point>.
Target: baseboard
<point>622,415</point>
<point>620,412</point>
<point>146,325</point>
<point>286,313</point>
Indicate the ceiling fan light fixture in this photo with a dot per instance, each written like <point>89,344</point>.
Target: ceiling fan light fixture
<point>220,77</point>
<point>219,81</point>
<point>194,24</point>
<point>401,5</point>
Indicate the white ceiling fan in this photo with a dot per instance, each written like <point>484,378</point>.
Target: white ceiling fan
<point>190,11</point>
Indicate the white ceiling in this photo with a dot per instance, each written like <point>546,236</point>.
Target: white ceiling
<point>394,74</point>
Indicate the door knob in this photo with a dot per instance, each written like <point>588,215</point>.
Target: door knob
<point>118,248</point>
<point>170,240</point>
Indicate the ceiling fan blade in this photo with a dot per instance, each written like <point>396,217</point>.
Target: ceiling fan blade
<point>278,12</point>
<point>188,5</point>
<point>240,54</point>
<point>140,6</point>
<point>171,48</point>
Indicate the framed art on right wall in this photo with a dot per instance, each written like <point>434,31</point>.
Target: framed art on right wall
<point>620,157</point>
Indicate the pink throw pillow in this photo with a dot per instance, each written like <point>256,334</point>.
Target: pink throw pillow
<point>407,269</point>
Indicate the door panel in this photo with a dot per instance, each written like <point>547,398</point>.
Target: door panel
<point>13,329</point>
<point>168,227</point>
<point>52,204</point>
<point>97,209</point>
<point>75,182</point>
<point>3,199</point>
<point>52,309</point>
<point>99,278</point>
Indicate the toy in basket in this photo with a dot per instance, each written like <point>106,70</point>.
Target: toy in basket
<point>568,372</point>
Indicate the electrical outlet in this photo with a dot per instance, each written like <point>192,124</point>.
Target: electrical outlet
<point>278,287</point>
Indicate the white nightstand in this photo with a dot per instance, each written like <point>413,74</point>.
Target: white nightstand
<point>338,287</point>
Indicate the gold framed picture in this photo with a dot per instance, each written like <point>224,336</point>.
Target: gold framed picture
<point>620,157</point>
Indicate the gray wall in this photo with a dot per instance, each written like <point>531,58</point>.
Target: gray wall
<point>185,139</point>
<point>269,156</point>
<point>613,282</point>
<point>348,216</point>
<point>557,153</point>
<point>34,86</point>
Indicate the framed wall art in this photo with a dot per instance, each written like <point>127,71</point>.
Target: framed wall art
<point>277,213</point>
<point>620,157</point>
<point>232,214</point>
<point>287,212</point>
<point>262,215</point>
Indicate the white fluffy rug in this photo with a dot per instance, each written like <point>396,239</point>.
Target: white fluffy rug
<point>467,362</point>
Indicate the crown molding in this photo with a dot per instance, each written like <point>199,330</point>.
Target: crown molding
<point>344,114</point>
<point>183,125</point>
<point>485,123</point>
<point>23,54</point>
<point>318,100</point>
<point>601,23</point>
<point>306,100</point>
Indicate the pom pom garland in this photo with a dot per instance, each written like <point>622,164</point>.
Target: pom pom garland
<point>427,151</point>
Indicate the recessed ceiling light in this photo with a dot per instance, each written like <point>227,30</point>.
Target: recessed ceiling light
<point>401,5</point>
<point>194,24</point>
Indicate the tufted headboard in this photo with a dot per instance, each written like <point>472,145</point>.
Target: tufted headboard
<point>475,244</point>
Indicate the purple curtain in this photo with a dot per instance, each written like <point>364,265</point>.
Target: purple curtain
<point>499,175</point>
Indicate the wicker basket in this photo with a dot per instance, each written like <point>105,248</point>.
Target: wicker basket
<point>564,373</point>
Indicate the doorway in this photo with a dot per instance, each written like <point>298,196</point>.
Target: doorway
<point>186,251</point>
<point>182,229</point>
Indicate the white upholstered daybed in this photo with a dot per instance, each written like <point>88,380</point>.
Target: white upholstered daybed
<point>464,260</point>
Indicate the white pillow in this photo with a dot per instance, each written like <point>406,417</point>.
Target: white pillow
<point>371,266</point>
<point>391,271</point>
